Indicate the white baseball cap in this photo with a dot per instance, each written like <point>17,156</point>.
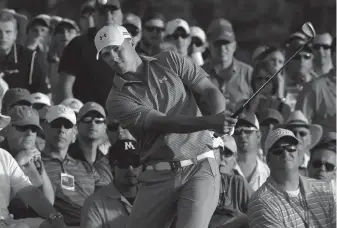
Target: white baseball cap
<point>172,26</point>
<point>40,98</point>
<point>111,35</point>
<point>60,111</point>
<point>73,103</point>
<point>198,32</point>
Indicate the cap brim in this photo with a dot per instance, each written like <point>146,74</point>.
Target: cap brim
<point>26,123</point>
<point>64,117</point>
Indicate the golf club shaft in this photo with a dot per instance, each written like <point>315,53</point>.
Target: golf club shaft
<point>238,112</point>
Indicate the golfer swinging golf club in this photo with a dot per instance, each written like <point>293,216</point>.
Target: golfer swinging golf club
<point>152,97</point>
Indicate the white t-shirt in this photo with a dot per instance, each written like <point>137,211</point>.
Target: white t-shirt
<point>12,180</point>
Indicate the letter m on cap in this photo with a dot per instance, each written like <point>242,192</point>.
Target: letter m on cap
<point>128,146</point>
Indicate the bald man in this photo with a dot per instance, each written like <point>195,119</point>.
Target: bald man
<point>322,53</point>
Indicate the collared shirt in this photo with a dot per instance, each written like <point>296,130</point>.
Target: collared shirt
<point>271,207</point>
<point>94,78</point>
<point>101,163</point>
<point>107,208</point>
<point>12,180</point>
<point>20,73</point>
<point>317,101</point>
<point>164,89</point>
<point>236,85</point>
<point>69,202</point>
<point>259,176</point>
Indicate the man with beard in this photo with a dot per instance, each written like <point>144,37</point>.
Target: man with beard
<point>78,66</point>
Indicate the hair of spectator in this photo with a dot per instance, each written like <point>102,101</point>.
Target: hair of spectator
<point>267,52</point>
<point>325,145</point>
<point>6,16</point>
<point>153,15</point>
<point>263,66</point>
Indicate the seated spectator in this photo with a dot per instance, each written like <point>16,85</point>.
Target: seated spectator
<point>234,190</point>
<point>40,137</point>
<point>307,134</point>
<point>322,163</point>
<point>247,136</point>
<point>133,25</point>
<point>14,97</point>
<point>110,206</point>
<point>73,180</point>
<point>39,101</point>
<point>288,199</point>
<point>38,34</point>
<point>20,66</point>
<point>16,183</point>
<point>317,101</point>
<point>198,45</point>
<point>20,138</point>
<point>73,103</point>
<point>91,129</point>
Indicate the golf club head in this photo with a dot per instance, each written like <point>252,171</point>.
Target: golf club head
<point>309,29</point>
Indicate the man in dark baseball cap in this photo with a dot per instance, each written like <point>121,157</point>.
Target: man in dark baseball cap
<point>15,96</point>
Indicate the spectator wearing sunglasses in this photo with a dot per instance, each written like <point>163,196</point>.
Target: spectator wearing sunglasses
<point>307,134</point>
<point>110,206</point>
<point>322,164</point>
<point>321,46</point>
<point>72,180</point>
<point>20,143</point>
<point>247,136</point>
<point>288,199</point>
<point>39,101</point>
<point>178,33</point>
<point>197,46</point>
<point>91,129</point>
<point>317,101</point>
<point>230,75</point>
<point>14,97</point>
<point>78,66</point>
<point>133,25</point>
<point>152,34</point>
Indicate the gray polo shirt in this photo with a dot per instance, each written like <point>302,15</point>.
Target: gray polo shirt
<point>165,89</point>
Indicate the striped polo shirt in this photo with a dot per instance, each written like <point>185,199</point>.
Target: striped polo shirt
<point>69,202</point>
<point>165,88</point>
<point>269,207</point>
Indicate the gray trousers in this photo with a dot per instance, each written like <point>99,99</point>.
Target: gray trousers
<point>190,194</point>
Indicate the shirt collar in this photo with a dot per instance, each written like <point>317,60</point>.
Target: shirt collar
<point>112,192</point>
<point>77,153</point>
<point>119,82</point>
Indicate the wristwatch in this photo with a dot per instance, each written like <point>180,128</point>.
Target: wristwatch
<point>54,216</point>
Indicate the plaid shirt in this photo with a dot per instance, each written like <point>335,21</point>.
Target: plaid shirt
<point>269,207</point>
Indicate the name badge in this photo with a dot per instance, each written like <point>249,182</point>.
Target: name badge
<point>67,182</point>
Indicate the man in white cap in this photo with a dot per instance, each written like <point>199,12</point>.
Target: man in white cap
<point>178,33</point>
<point>39,100</point>
<point>288,199</point>
<point>197,46</point>
<point>150,98</point>
<point>78,66</point>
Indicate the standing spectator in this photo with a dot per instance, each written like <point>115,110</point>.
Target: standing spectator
<point>230,75</point>
<point>87,20</point>
<point>198,45</point>
<point>72,180</point>
<point>153,34</point>
<point>288,199</point>
<point>307,134</point>
<point>317,101</point>
<point>133,24</point>
<point>178,33</point>
<point>14,97</point>
<point>247,136</point>
<point>91,129</point>
<point>110,206</point>
<point>78,66</point>
<point>19,66</point>
<point>321,46</point>
<point>39,33</point>
<point>162,114</point>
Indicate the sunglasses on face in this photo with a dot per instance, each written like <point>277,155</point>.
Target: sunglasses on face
<point>197,42</point>
<point>303,56</point>
<point>154,29</point>
<point>300,133</point>
<point>113,127</point>
<point>134,31</point>
<point>280,150</point>
<point>226,153</point>
<point>319,46</point>
<point>121,165</point>
<point>181,34</point>
<point>33,128</point>
<point>328,166</point>
<point>59,123</point>
<point>247,131</point>
<point>38,106</point>
<point>90,119</point>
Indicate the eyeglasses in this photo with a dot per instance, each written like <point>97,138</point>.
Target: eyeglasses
<point>328,166</point>
<point>133,30</point>
<point>226,153</point>
<point>59,123</point>
<point>38,106</point>
<point>181,34</point>
<point>154,29</point>
<point>247,131</point>
<point>303,56</point>
<point>197,42</point>
<point>113,126</point>
<point>280,150</point>
<point>319,46</point>
<point>33,128</point>
<point>90,119</point>
<point>300,133</point>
